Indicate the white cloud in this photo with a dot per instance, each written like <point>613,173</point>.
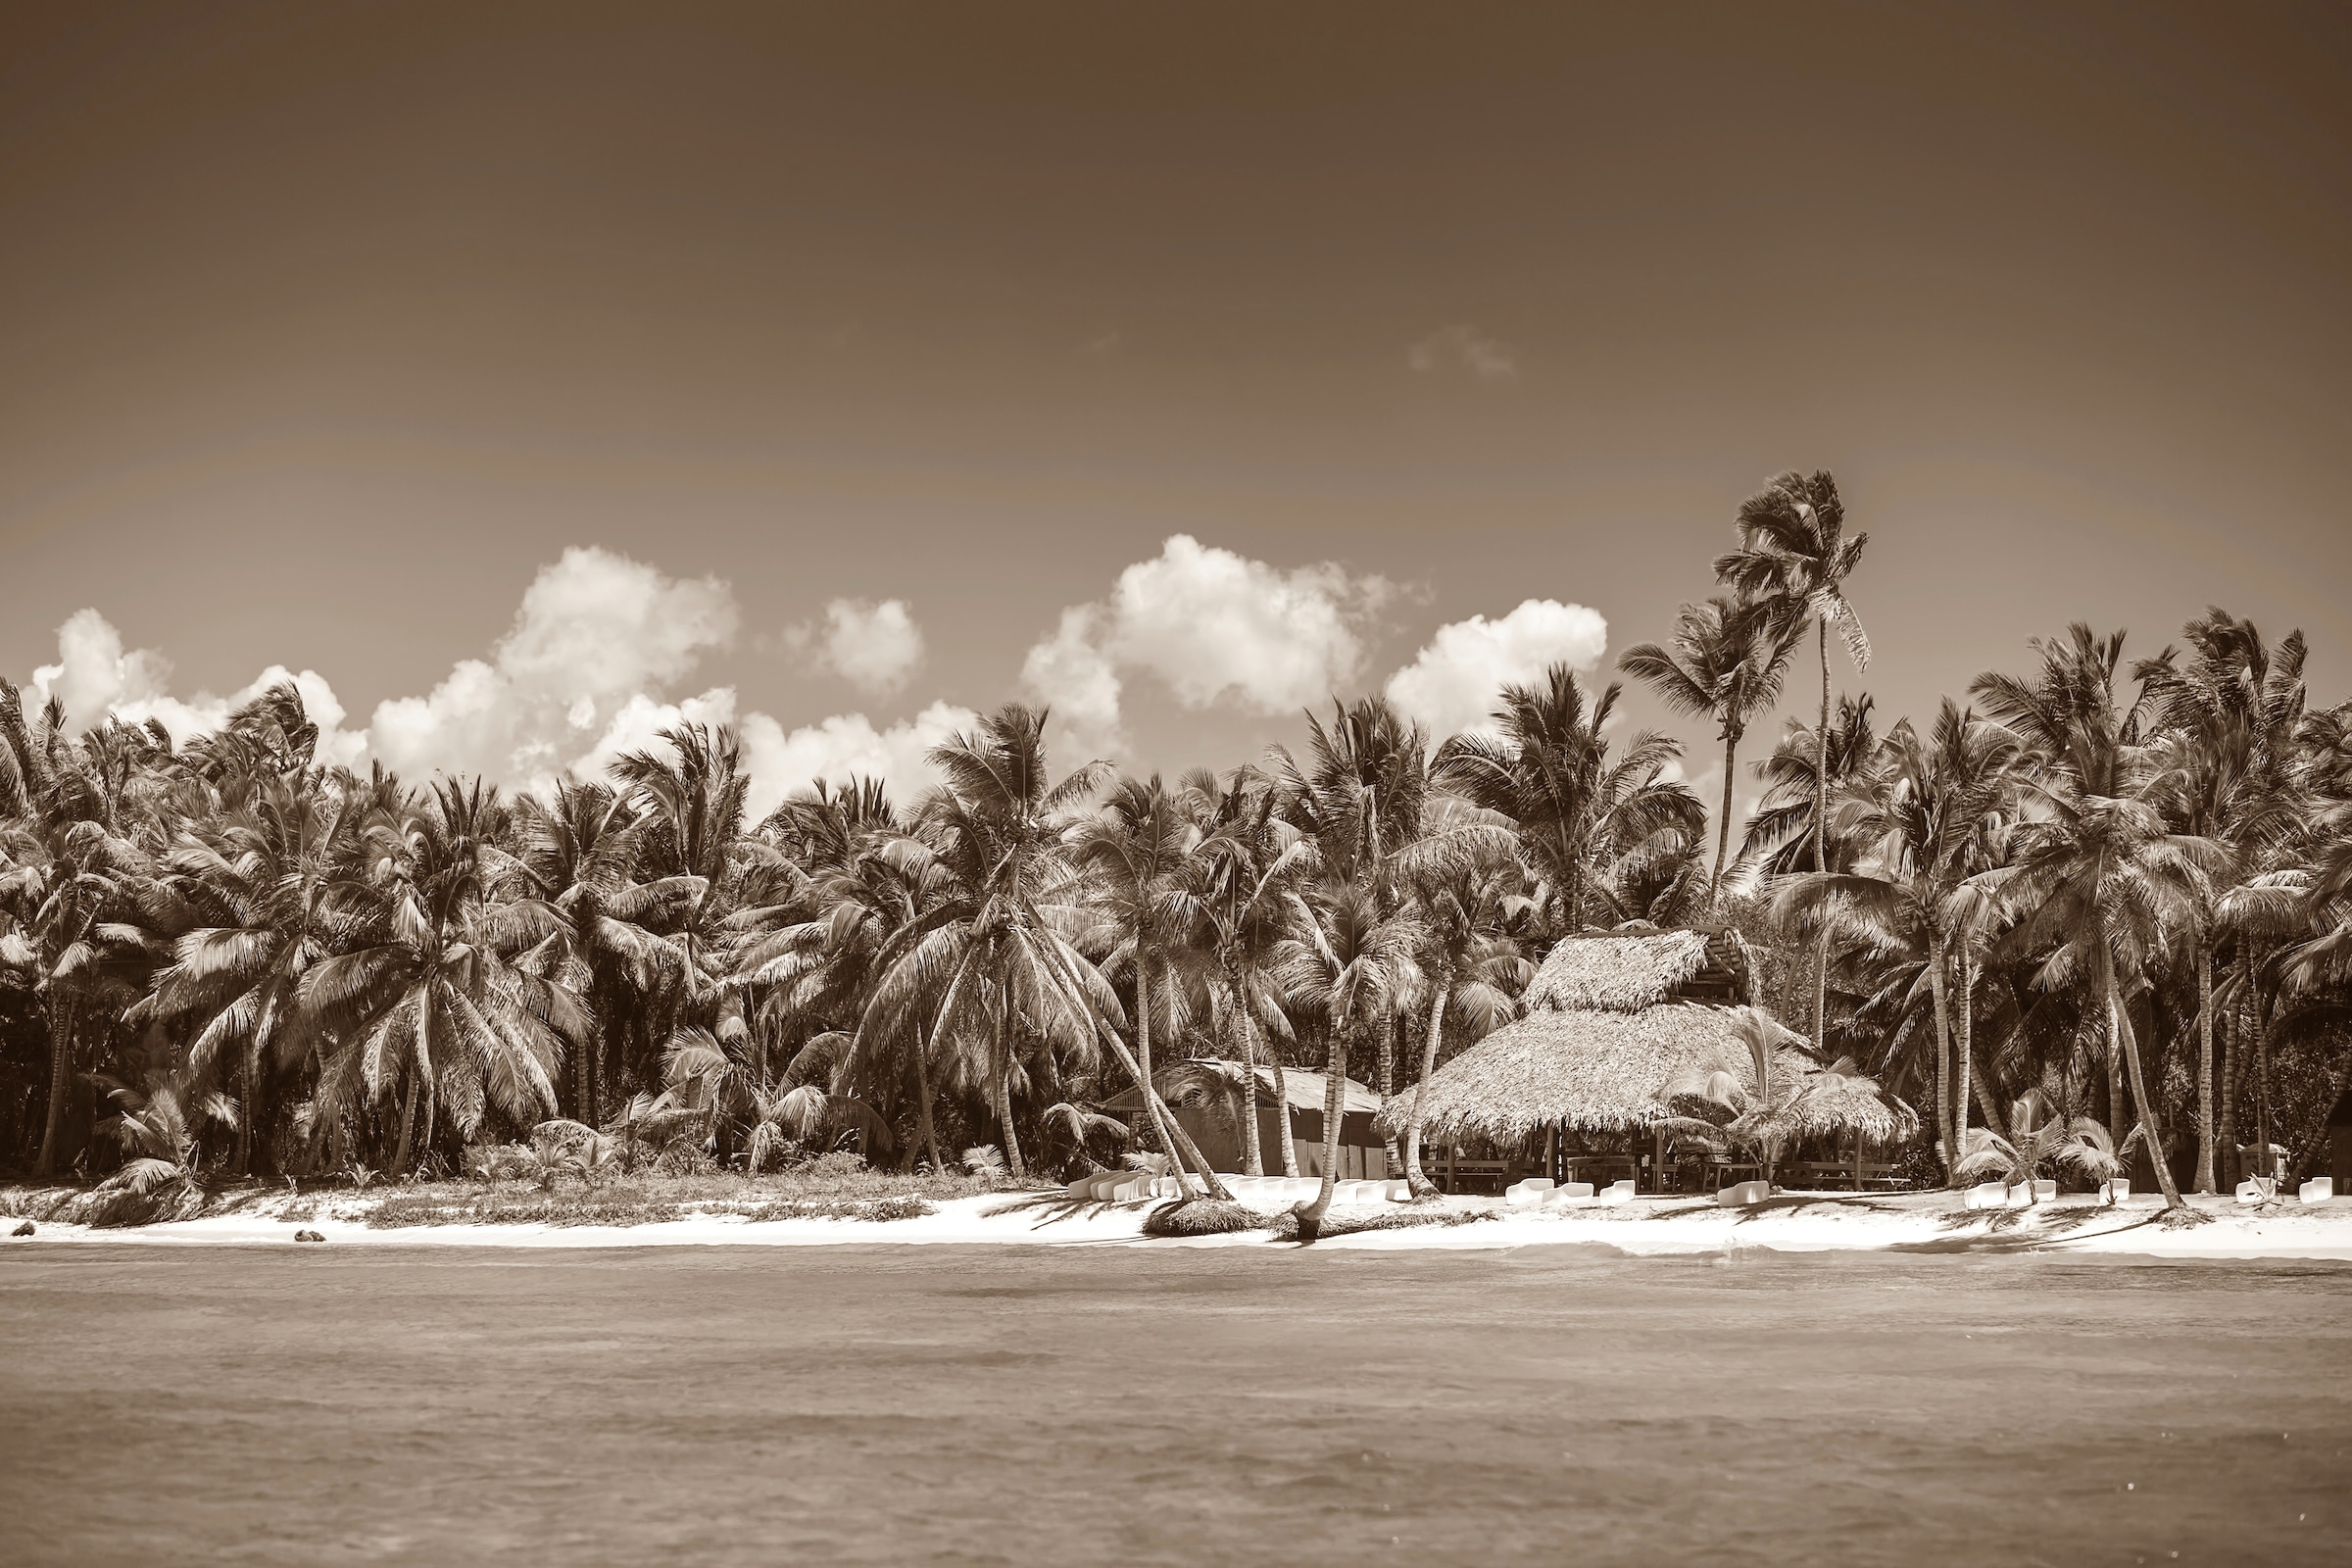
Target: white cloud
<point>874,647</point>
<point>845,745</point>
<point>95,676</point>
<point>1464,346</point>
<point>1216,628</point>
<point>1453,684</point>
<point>596,636</point>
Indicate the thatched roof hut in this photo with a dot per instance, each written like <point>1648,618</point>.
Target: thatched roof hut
<point>1612,1020</point>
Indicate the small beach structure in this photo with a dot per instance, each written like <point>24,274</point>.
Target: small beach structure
<point>1206,1100</point>
<point>1614,1019</point>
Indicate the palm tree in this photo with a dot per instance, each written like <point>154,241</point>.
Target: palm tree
<point>1350,961</point>
<point>1916,824</point>
<point>2038,1139</point>
<point>429,999</point>
<point>1250,858</point>
<point>1471,966</point>
<point>1792,563</point>
<point>1758,1091</point>
<point>1550,772</point>
<point>1723,660</point>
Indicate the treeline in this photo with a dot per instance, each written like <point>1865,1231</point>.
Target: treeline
<point>2107,888</point>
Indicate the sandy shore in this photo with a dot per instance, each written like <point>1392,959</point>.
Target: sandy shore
<point>1795,1222</point>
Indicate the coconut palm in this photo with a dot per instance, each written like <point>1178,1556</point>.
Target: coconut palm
<point>1759,1092</point>
<point>430,1004</point>
<point>1350,961</point>
<point>157,1133</point>
<point>1724,660</point>
<point>1793,565</point>
<point>1470,965</point>
<point>1250,858</point>
<point>1548,771</point>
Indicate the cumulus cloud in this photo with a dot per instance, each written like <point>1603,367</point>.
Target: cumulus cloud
<point>874,647</point>
<point>1215,627</point>
<point>95,676</point>
<point>595,632</point>
<point>1466,348</point>
<point>582,676</point>
<point>1453,684</point>
<point>843,746</point>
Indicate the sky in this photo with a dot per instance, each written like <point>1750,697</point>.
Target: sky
<point>523,378</point>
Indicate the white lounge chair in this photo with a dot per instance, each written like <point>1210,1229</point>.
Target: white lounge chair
<point>1744,1194</point>
<point>1987,1195</point>
<point>1396,1191</point>
<point>1569,1194</point>
<point>2318,1190</point>
<point>2044,1190</point>
<point>1616,1193</point>
<point>2253,1190</point>
<point>2119,1188</point>
<point>1527,1193</point>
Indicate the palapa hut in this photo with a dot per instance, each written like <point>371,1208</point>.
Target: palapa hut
<point>1613,1018</point>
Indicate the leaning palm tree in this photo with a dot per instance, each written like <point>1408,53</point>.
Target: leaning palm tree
<point>1723,660</point>
<point>1792,563</point>
<point>1350,961</point>
<point>2102,887</point>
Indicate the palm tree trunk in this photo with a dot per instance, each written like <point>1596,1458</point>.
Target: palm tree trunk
<point>60,1080</point>
<point>1419,1185</point>
<point>1821,831</point>
<point>1143,1025</point>
<point>2119,1021</point>
<point>1282,1093</point>
<point>1968,985</point>
<point>248,1131</point>
<point>1001,1081</point>
<point>1949,1149</point>
<point>1387,1065</point>
<point>1723,826</point>
<point>1310,1215</point>
<point>2204,1065</point>
<point>407,1122</point>
<point>1253,1159</point>
<point>2262,1078</point>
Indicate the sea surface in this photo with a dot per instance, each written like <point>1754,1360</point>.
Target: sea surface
<point>1116,1406</point>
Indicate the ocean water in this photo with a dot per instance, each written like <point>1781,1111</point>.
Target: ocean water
<point>315,1405</point>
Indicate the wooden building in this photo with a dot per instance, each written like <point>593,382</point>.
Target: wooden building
<point>1208,1099</point>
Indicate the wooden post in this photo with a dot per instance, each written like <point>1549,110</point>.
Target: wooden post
<point>1857,1159</point>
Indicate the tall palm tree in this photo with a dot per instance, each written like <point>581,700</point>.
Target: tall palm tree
<point>1724,660</point>
<point>1250,861</point>
<point>1792,562</point>
<point>1916,825</point>
<point>1550,772</point>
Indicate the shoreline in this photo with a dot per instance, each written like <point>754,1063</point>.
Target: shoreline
<point>1914,1224</point>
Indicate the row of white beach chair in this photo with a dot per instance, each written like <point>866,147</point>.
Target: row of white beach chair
<point>1997,1195</point>
<point>1258,1192</point>
<point>1542,1192</point>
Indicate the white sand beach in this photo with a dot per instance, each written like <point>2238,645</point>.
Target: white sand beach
<point>1791,1222</point>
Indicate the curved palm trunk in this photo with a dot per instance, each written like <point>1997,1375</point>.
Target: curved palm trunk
<point>927,1134</point>
<point>1821,833</point>
<point>1253,1159</point>
<point>2230,1056</point>
<point>250,1066</point>
<point>1949,1149</point>
<point>2205,1183</point>
<point>1142,1031</point>
<point>1967,1065</point>
<point>408,1123</point>
<point>1419,1185</point>
<point>1312,1214</point>
<point>2119,1020</point>
<point>1282,1094</point>
<point>61,1079</point>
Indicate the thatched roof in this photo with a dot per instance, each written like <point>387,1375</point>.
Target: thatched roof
<point>1601,1070</point>
<point>1182,1081</point>
<point>1625,971</point>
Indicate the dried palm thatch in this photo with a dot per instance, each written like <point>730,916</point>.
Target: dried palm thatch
<point>1617,972</point>
<point>1606,1070</point>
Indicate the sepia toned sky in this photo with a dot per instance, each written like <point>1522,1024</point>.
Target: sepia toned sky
<point>534,374</point>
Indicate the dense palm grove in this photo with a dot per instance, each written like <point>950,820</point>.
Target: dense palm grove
<point>2105,890</point>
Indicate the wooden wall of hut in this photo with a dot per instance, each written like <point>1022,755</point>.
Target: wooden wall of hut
<point>1363,1157</point>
